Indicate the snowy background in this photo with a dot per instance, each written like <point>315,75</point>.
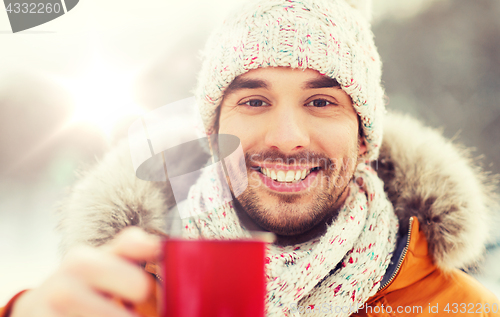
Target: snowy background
<point>70,88</point>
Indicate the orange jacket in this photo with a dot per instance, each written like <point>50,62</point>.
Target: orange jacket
<point>418,287</point>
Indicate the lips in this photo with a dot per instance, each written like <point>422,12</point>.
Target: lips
<point>287,178</point>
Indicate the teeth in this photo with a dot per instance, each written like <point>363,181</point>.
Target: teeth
<point>303,175</point>
<point>290,176</point>
<point>281,176</point>
<point>285,176</point>
<point>297,175</point>
<point>273,175</point>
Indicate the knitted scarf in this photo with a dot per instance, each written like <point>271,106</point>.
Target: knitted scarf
<point>332,275</point>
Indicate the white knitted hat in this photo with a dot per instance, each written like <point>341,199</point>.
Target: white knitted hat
<point>331,36</point>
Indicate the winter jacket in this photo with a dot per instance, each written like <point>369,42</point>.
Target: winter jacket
<point>444,204</point>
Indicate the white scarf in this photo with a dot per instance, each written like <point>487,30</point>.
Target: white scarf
<point>332,275</point>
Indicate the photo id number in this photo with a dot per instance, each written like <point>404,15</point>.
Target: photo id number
<point>34,8</point>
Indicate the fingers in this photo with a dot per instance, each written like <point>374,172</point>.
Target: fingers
<point>81,301</point>
<point>106,270</point>
<point>88,275</point>
<point>64,295</point>
<point>135,244</point>
<point>108,273</point>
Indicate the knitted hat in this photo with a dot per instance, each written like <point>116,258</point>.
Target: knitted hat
<point>332,37</point>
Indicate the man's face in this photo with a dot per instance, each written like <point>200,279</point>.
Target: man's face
<point>299,132</point>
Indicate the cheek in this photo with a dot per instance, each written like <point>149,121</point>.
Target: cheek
<point>247,129</point>
<point>338,140</point>
<point>243,129</point>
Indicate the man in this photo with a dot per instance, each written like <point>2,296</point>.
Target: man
<point>298,82</point>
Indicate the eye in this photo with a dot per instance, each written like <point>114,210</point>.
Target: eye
<point>254,103</point>
<point>318,103</point>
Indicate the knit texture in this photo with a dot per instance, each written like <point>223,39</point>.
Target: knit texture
<point>342,268</point>
<point>329,36</point>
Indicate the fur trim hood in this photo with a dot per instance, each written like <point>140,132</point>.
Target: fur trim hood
<point>424,174</point>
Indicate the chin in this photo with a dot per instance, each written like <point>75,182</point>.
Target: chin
<point>291,215</point>
<point>286,218</point>
<point>288,229</point>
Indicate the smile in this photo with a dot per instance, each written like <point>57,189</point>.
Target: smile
<point>287,178</point>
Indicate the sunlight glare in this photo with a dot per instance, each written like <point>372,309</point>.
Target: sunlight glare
<point>102,96</point>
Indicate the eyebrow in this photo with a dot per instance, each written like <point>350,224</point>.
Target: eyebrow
<point>249,83</point>
<point>246,83</point>
<point>322,82</point>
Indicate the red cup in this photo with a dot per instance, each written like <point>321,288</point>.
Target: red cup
<point>205,278</point>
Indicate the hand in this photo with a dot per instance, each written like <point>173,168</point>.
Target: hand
<point>89,277</point>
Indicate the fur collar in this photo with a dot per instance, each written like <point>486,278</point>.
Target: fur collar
<point>425,176</point>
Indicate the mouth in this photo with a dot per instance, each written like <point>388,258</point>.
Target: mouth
<point>284,175</point>
<point>288,179</point>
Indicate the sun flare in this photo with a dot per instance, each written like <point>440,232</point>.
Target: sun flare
<point>102,96</point>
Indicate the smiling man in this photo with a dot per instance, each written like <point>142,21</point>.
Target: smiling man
<point>299,132</point>
<point>365,227</point>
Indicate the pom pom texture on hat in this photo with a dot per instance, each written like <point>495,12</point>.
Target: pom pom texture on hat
<point>332,37</point>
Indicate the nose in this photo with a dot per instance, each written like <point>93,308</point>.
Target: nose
<point>287,130</point>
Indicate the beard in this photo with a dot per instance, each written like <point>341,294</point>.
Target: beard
<point>290,214</point>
